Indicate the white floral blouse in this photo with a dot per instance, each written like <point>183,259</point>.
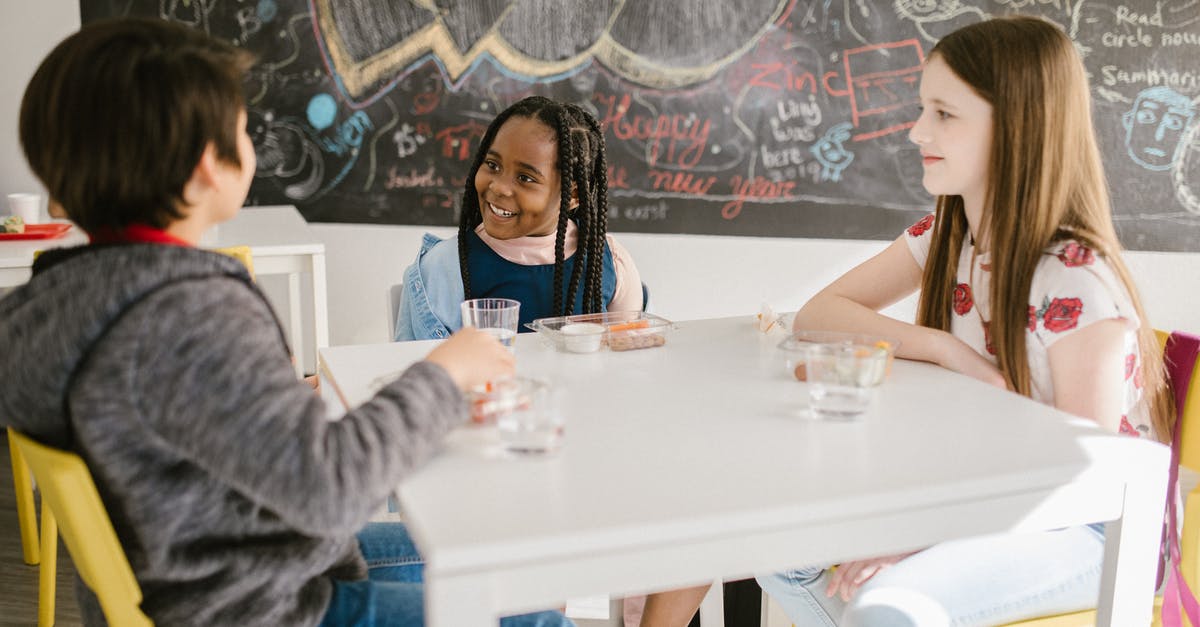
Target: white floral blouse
<point>1072,288</point>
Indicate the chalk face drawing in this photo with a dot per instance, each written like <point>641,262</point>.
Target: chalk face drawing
<point>726,117</point>
<point>1156,126</point>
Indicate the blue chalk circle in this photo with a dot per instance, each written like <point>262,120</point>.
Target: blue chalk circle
<point>322,110</point>
<point>267,10</point>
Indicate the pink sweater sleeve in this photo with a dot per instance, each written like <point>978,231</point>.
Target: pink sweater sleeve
<point>628,294</point>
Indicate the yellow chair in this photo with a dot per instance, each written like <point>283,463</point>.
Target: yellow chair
<point>68,491</point>
<point>241,253</point>
<point>26,517</point>
<point>1189,457</point>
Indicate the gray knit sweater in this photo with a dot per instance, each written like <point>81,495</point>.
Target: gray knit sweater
<point>235,499</point>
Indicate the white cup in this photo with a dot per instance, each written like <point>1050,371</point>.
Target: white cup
<point>26,206</point>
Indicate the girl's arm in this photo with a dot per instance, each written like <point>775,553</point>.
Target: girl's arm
<point>852,302</point>
<point>1088,372</point>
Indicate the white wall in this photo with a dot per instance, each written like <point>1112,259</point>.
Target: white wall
<point>693,276</point>
<point>688,276</point>
<point>28,31</point>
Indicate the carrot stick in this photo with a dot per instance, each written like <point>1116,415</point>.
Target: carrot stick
<point>627,326</point>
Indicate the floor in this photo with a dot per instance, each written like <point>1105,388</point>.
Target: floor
<point>18,581</point>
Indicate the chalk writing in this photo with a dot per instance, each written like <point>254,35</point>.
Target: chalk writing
<point>753,188</point>
<point>755,117</point>
<point>679,139</point>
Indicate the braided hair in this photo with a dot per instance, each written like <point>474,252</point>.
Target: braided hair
<point>583,172</point>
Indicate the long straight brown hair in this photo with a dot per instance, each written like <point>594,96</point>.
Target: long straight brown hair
<point>1045,184</point>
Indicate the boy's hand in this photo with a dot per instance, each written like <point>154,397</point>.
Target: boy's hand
<point>472,357</point>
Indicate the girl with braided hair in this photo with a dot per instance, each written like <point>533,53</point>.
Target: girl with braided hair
<point>533,228</point>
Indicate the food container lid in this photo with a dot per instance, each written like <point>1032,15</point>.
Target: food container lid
<point>620,326</point>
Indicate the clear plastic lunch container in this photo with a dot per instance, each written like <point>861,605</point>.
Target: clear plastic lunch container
<point>619,331</point>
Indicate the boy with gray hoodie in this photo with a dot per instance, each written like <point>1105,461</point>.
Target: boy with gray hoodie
<point>237,502</point>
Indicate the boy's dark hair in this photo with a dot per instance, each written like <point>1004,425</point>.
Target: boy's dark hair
<point>117,116</point>
<point>584,175</point>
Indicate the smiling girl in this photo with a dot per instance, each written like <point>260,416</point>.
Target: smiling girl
<point>1022,286</point>
<point>517,237</point>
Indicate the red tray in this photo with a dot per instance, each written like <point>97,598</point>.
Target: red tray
<point>39,231</point>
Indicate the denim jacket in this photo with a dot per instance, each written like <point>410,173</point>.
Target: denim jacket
<point>429,308</point>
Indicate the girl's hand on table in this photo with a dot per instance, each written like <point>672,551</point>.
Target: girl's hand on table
<point>472,357</point>
<point>957,356</point>
<point>850,576</point>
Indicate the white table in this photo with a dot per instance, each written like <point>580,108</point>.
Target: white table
<point>279,240</point>
<point>689,462</point>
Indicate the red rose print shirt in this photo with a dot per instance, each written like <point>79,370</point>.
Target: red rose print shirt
<point>1072,287</point>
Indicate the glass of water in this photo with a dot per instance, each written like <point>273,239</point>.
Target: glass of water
<point>532,423</point>
<point>497,316</point>
<point>842,377</point>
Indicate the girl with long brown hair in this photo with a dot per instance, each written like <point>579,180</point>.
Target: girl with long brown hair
<point>1022,286</point>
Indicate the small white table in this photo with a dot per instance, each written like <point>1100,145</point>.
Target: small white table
<point>279,240</point>
<point>689,462</point>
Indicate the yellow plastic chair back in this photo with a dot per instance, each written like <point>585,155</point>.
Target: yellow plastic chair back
<point>74,504</point>
<point>1189,536</point>
<point>242,254</point>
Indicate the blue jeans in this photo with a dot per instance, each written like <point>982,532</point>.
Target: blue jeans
<point>393,594</point>
<point>989,580</point>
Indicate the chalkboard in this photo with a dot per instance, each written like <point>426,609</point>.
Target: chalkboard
<point>728,117</point>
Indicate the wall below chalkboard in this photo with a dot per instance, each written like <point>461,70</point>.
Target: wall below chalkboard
<point>732,117</point>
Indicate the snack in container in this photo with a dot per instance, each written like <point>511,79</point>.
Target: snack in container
<point>619,331</point>
<point>626,336</point>
<point>864,347</point>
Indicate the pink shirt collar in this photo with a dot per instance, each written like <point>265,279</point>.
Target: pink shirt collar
<point>531,250</point>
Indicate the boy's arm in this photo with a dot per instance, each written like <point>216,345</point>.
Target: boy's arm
<point>219,389</point>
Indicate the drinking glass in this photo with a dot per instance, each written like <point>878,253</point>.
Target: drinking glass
<point>531,422</point>
<point>842,378</point>
<point>497,316</point>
